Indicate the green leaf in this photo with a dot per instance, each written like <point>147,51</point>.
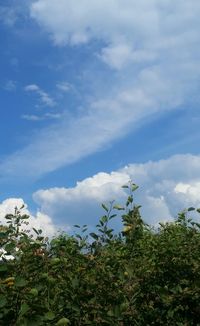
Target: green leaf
<point>94,236</point>
<point>3,235</point>
<point>63,322</point>
<point>105,207</point>
<point>118,207</point>
<point>125,186</point>
<point>36,231</point>
<point>112,216</point>
<point>10,247</point>
<point>104,219</point>
<point>33,292</point>
<point>110,313</point>
<point>3,301</point>
<point>9,216</point>
<point>49,315</point>
<point>20,282</point>
<point>191,209</point>
<point>134,187</point>
<point>24,217</point>
<point>24,309</point>
<point>75,283</point>
<point>3,268</point>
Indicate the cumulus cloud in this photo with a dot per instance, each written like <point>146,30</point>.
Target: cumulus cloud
<point>44,97</point>
<point>81,203</point>
<point>39,221</point>
<point>133,30</point>
<point>166,187</point>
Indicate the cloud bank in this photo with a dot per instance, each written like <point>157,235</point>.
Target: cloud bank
<point>166,187</point>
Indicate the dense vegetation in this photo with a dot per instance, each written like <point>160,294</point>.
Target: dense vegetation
<point>141,276</point>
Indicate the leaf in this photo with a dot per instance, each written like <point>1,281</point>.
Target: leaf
<point>191,209</point>
<point>3,235</point>
<point>63,322</point>
<point>36,231</point>
<point>3,268</point>
<point>94,236</point>
<point>118,207</point>
<point>105,207</point>
<point>125,186</point>
<point>76,226</point>
<point>110,313</point>
<point>3,301</point>
<point>20,282</point>
<point>112,216</point>
<point>49,315</point>
<point>10,247</point>
<point>104,219</point>
<point>9,216</point>
<point>75,283</point>
<point>134,187</point>
<point>24,217</point>
<point>24,309</point>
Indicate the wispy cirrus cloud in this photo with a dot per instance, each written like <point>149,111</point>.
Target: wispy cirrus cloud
<point>43,96</point>
<point>64,86</point>
<point>46,116</point>
<point>150,50</point>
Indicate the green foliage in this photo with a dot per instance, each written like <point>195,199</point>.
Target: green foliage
<point>141,276</point>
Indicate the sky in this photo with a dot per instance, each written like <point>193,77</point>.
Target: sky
<point>94,94</point>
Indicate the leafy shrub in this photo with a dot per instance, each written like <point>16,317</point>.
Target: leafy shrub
<point>141,276</point>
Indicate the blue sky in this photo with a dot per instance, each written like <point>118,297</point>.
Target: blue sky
<point>92,92</point>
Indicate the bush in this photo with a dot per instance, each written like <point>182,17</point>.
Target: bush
<point>141,276</point>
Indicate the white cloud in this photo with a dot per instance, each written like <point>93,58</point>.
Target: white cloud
<point>190,191</point>
<point>82,203</point>
<point>120,55</point>
<point>154,48</point>
<point>166,187</point>
<point>39,221</point>
<point>44,97</point>
<point>130,28</point>
<point>33,117</point>
<point>64,86</point>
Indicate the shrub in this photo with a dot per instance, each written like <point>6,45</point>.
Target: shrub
<point>140,276</point>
